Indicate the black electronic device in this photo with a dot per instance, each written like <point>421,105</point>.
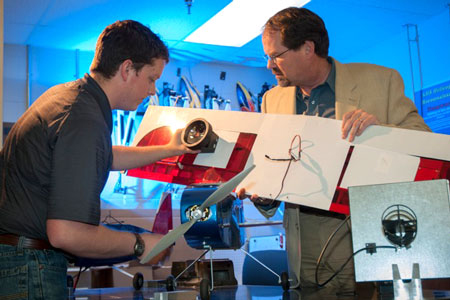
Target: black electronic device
<point>199,135</point>
<point>399,225</point>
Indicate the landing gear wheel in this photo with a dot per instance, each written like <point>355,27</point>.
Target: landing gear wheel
<point>170,283</point>
<point>138,281</point>
<point>285,281</point>
<point>205,289</point>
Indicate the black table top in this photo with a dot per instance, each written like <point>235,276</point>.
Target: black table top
<point>220,293</point>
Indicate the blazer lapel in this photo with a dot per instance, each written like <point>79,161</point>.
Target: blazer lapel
<point>282,101</point>
<point>346,91</point>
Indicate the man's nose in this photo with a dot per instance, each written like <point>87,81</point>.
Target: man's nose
<point>270,64</point>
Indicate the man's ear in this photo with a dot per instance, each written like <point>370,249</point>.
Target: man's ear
<point>309,47</point>
<point>125,68</point>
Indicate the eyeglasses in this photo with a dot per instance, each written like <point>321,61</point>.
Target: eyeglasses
<point>273,58</point>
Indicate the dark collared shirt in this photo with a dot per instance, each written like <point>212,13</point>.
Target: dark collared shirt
<point>56,160</point>
<point>321,102</point>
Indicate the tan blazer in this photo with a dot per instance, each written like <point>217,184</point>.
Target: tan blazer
<point>374,89</point>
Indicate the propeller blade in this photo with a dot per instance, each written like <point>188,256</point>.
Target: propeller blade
<point>220,194</point>
<point>168,240</point>
<point>225,188</point>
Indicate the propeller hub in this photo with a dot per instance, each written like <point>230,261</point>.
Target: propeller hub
<point>197,214</point>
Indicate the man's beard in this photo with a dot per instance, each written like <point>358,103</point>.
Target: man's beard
<point>282,80</point>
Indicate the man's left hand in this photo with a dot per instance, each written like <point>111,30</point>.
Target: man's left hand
<point>355,122</point>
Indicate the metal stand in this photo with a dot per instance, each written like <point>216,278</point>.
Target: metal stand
<point>413,42</point>
<point>118,188</point>
<point>124,133</point>
<point>206,286</point>
<point>175,295</point>
<point>196,260</point>
<point>407,291</point>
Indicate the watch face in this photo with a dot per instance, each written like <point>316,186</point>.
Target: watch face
<point>138,249</point>
<point>139,246</point>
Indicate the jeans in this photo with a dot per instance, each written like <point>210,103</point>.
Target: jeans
<point>32,274</point>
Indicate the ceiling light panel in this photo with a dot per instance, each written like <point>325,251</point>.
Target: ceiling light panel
<point>239,22</point>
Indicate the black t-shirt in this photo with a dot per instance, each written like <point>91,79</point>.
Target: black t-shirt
<point>56,160</point>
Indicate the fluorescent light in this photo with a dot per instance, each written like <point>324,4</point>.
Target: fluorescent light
<point>239,22</point>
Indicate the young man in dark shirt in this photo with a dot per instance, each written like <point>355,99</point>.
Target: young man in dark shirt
<point>57,158</point>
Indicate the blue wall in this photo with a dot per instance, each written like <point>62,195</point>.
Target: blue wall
<point>52,66</point>
<point>434,47</point>
<point>434,43</point>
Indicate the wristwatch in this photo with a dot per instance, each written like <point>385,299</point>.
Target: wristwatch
<point>139,246</point>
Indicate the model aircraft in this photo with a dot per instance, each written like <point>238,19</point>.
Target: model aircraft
<point>190,92</point>
<point>319,179</point>
<point>245,98</point>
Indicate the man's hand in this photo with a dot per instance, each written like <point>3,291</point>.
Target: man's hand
<point>355,122</point>
<point>176,144</point>
<point>254,198</point>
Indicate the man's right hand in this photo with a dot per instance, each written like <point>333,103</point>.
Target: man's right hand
<point>254,198</point>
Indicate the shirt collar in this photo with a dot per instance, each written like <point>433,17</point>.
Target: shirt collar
<point>331,79</point>
<point>99,95</point>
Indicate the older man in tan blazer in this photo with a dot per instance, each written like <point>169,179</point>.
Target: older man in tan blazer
<point>371,88</point>
<point>310,82</point>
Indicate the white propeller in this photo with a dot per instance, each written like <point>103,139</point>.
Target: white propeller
<point>220,194</point>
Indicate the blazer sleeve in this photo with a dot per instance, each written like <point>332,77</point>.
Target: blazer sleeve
<point>401,110</point>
